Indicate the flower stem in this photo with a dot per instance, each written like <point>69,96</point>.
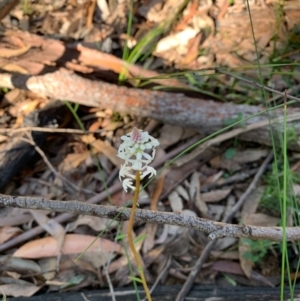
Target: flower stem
<point>130,238</point>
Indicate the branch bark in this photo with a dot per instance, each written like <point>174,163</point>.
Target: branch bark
<point>215,229</point>
<point>47,55</point>
<point>206,116</point>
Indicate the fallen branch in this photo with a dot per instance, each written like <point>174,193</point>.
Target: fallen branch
<point>214,229</point>
<point>204,115</point>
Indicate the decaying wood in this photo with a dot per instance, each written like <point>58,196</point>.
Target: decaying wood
<point>206,116</point>
<point>46,55</point>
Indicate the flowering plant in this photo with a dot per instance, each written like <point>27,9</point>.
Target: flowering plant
<point>134,151</point>
<point>138,150</point>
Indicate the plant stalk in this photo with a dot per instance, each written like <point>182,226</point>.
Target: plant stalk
<point>130,238</point>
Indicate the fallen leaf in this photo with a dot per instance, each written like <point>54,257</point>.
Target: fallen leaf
<point>182,192</point>
<point>8,232</point>
<point>252,202</point>
<point>261,220</point>
<point>225,243</point>
<point>14,217</point>
<point>17,290</point>
<point>246,264</point>
<point>14,68</point>
<point>196,196</point>
<point>215,195</point>
<point>8,53</point>
<point>22,266</point>
<point>227,267</point>
<point>94,222</point>
<point>73,244</point>
<point>232,255</point>
<point>50,225</point>
<point>250,155</point>
<point>179,41</point>
<point>175,201</point>
<point>110,152</point>
<point>3,138</point>
<point>72,161</point>
<point>170,134</point>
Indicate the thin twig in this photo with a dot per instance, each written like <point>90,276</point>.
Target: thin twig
<point>206,251</point>
<point>50,166</point>
<point>256,84</point>
<point>48,130</point>
<point>162,273</point>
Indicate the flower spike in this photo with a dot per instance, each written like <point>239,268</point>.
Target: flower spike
<point>137,150</point>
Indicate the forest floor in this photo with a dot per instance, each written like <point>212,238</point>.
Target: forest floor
<point>78,75</point>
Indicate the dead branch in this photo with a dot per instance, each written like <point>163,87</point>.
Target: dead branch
<point>47,55</point>
<point>214,229</point>
<point>205,116</point>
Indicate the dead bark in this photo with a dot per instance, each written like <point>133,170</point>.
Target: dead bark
<point>46,55</point>
<point>206,116</point>
<point>214,229</point>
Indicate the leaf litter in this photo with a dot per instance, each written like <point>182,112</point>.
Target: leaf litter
<point>192,42</point>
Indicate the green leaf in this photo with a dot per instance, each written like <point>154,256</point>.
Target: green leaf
<point>230,153</point>
<point>133,278</point>
<point>120,236</point>
<point>139,238</point>
<point>77,279</point>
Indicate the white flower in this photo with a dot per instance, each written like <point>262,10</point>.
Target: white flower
<point>134,151</point>
<point>149,171</point>
<point>127,183</point>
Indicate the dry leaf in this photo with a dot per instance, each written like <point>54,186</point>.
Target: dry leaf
<point>250,155</point>
<point>227,267</point>
<point>8,53</point>
<point>3,138</point>
<point>149,241</point>
<point>14,68</point>
<point>110,152</point>
<point>17,290</point>
<point>72,161</point>
<point>175,201</point>
<point>95,222</point>
<point>8,232</point>
<point>73,244</point>
<point>179,41</point>
<point>246,264</point>
<point>170,134</point>
<point>182,192</point>
<point>261,220</point>
<point>215,195</point>
<point>232,255</point>
<point>196,196</point>
<point>50,225</point>
<point>48,267</point>
<point>225,243</point>
<point>251,204</point>
<point>14,217</point>
<point>19,265</point>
